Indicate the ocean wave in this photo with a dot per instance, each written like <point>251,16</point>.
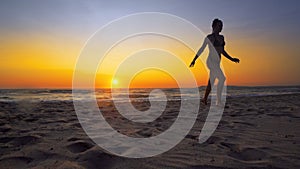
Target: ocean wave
<point>137,95</point>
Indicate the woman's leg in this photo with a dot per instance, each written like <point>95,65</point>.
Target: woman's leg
<point>216,73</point>
<point>210,83</point>
<point>221,80</point>
<point>207,91</point>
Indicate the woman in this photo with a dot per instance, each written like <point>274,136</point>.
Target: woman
<point>216,44</point>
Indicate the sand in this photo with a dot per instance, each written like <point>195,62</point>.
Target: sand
<point>255,132</point>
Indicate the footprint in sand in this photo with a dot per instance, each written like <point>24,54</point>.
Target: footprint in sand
<point>24,140</point>
<point>248,154</point>
<point>79,146</point>
<point>15,162</point>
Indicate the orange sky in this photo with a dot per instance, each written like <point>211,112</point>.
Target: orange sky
<point>44,63</point>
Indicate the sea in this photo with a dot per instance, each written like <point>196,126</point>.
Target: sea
<point>137,94</point>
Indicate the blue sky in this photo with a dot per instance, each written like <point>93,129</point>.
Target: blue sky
<point>84,17</point>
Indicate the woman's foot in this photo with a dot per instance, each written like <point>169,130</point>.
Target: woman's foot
<point>204,101</point>
<point>220,104</point>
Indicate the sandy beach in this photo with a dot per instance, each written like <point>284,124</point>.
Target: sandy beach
<point>254,132</point>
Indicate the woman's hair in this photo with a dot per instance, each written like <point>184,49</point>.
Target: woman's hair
<point>215,22</point>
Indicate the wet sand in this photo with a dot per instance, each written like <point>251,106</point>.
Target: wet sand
<point>255,132</point>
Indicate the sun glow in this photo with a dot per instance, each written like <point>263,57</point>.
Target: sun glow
<point>114,82</point>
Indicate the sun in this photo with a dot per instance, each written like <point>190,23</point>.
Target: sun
<point>115,81</point>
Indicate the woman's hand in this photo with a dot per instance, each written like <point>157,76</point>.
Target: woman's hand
<point>192,63</point>
<point>236,60</point>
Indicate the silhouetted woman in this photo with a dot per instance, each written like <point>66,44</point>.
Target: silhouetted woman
<point>214,41</point>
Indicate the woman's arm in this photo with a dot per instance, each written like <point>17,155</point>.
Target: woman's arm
<point>199,52</point>
<point>236,60</point>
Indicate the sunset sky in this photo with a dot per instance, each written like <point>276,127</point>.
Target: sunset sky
<point>41,40</point>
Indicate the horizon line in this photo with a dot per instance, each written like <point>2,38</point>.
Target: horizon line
<point>70,88</point>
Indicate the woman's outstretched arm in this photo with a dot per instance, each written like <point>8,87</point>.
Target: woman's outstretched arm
<point>199,52</point>
<point>236,60</point>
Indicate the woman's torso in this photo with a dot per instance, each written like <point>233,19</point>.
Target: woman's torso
<point>216,46</point>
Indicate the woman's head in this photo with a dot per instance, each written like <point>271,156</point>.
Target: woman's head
<point>217,25</point>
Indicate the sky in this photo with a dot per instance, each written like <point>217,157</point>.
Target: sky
<point>41,40</point>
